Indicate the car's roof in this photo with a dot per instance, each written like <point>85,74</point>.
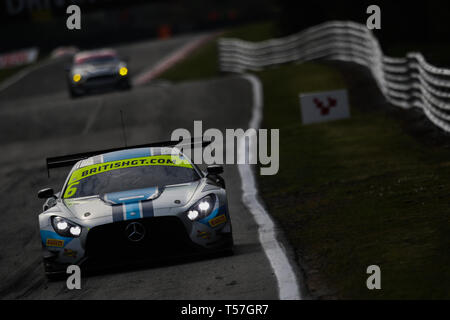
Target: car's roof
<point>130,154</point>
<point>80,57</point>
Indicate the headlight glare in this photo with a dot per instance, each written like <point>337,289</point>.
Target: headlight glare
<point>192,214</point>
<point>65,228</point>
<point>202,208</point>
<point>76,77</point>
<point>123,71</point>
<point>204,205</point>
<point>75,231</point>
<point>62,225</point>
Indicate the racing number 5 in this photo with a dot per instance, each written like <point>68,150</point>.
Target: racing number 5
<point>71,190</point>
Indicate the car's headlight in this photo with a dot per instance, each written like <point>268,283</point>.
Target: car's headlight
<point>202,208</point>
<point>76,77</point>
<point>123,71</point>
<point>66,228</point>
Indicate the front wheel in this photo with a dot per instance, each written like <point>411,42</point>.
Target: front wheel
<point>55,276</point>
<point>125,84</point>
<point>73,93</point>
<point>228,252</point>
<point>54,271</point>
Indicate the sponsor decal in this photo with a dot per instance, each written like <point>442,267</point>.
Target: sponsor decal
<point>70,253</point>
<point>162,160</point>
<point>52,237</point>
<point>218,220</point>
<point>159,160</point>
<point>203,234</point>
<point>54,243</point>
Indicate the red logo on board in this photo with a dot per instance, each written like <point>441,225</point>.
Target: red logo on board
<point>325,109</point>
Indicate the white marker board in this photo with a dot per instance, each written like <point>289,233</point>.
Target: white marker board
<point>324,106</point>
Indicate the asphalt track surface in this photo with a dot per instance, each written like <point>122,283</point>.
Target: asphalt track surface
<point>38,119</point>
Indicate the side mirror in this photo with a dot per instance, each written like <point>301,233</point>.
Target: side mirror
<point>214,169</point>
<point>67,68</point>
<point>46,193</point>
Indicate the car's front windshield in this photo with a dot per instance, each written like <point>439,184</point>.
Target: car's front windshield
<point>129,174</point>
<point>98,60</point>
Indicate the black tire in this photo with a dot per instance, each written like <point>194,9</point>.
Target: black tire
<point>73,93</point>
<point>228,252</point>
<point>125,85</point>
<point>54,276</point>
<point>54,271</point>
<point>229,249</point>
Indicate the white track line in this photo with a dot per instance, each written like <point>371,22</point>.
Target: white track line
<point>93,117</point>
<point>287,280</point>
<point>172,59</point>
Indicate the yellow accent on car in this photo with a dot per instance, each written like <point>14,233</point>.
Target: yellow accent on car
<point>218,220</point>
<point>76,77</point>
<point>87,171</point>
<point>54,243</point>
<point>123,71</point>
<point>159,160</point>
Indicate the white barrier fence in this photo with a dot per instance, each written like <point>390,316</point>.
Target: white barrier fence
<point>405,82</point>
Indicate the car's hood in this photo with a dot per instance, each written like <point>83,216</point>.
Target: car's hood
<point>101,206</point>
<point>96,68</point>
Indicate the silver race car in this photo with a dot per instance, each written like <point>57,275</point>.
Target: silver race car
<point>129,204</point>
<point>93,70</point>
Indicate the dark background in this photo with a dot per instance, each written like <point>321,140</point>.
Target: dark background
<point>115,21</point>
<point>401,20</point>
<point>42,23</point>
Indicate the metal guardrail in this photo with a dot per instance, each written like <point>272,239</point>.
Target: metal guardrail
<point>405,82</point>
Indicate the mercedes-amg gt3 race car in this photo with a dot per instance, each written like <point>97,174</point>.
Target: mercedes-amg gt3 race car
<point>93,70</point>
<point>131,204</point>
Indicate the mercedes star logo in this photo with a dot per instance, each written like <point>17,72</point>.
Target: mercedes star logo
<point>135,231</point>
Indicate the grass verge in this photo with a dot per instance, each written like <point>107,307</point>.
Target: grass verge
<point>355,193</point>
<point>350,193</point>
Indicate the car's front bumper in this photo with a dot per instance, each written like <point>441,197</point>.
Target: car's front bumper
<point>165,237</point>
<point>91,83</point>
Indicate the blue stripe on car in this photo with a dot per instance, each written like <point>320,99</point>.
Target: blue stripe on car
<point>132,204</point>
<point>212,215</point>
<point>147,209</point>
<point>117,212</point>
<point>132,210</point>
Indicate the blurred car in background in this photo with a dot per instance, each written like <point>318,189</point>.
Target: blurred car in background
<point>97,69</point>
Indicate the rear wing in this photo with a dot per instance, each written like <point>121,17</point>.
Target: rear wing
<point>70,160</point>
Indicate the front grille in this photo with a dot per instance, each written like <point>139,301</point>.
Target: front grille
<point>102,78</point>
<point>164,236</point>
